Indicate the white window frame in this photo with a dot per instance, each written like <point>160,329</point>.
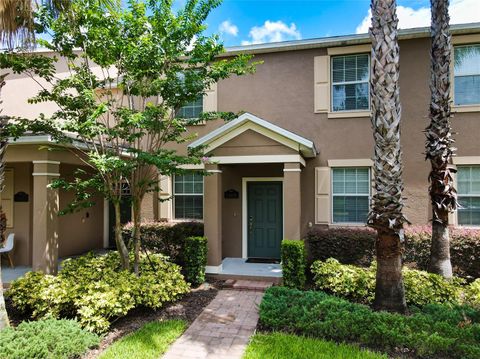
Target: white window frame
<point>332,83</point>
<point>470,195</point>
<point>464,75</point>
<point>332,194</point>
<point>187,194</point>
<point>201,99</point>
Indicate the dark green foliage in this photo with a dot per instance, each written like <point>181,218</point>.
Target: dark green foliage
<point>94,289</point>
<point>195,252</point>
<point>435,331</point>
<point>357,246</point>
<point>293,263</point>
<point>358,284</point>
<point>49,338</point>
<point>166,238</point>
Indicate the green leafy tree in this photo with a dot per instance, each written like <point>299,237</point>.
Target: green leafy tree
<point>129,73</point>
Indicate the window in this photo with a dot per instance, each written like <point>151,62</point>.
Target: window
<point>350,82</point>
<point>192,109</point>
<point>469,195</point>
<point>188,196</point>
<point>467,74</point>
<point>351,194</point>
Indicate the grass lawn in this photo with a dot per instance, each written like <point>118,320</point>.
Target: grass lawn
<point>279,346</point>
<point>150,341</point>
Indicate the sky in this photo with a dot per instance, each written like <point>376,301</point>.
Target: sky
<point>243,22</point>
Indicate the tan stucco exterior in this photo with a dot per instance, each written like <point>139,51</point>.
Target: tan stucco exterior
<point>290,89</point>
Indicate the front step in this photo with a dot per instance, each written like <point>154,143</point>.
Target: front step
<point>248,285</point>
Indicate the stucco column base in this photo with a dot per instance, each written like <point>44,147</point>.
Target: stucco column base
<point>213,214</point>
<point>45,217</point>
<point>292,200</point>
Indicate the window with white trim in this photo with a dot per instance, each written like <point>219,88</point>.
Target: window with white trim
<point>192,109</point>
<point>188,195</point>
<point>350,82</point>
<point>467,74</point>
<point>468,179</point>
<point>350,194</point>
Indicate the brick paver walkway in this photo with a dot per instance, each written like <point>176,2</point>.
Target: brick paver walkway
<point>222,330</point>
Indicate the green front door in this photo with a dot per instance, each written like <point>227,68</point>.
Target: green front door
<point>264,219</point>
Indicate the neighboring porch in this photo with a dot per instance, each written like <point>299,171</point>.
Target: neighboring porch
<point>252,194</point>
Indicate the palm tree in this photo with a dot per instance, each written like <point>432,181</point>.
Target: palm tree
<point>439,150</point>
<point>386,211</point>
<point>3,145</point>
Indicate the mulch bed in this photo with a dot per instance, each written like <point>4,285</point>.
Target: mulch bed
<point>188,308</point>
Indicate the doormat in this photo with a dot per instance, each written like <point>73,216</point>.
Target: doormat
<point>263,260</point>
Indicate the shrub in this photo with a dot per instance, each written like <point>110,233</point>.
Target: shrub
<point>357,246</point>
<point>49,338</point>
<point>358,284</point>
<point>473,293</point>
<point>195,253</point>
<point>434,331</point>
<point>94,289</point>
<point>167,238</point>
<point>293,263</point>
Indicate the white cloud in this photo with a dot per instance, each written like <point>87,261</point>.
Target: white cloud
<point>272,31</point>
<point>227,27</point>
<point>461,11</point>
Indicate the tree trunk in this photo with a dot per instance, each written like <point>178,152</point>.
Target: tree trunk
<point>136,234</point>
<point>440,247</point>
<point>439,149</point>
<point>389,290</point>
<point>121,247</point>
<point>387,203</point>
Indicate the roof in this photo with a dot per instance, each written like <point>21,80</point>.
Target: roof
<point>345,40</point>
<point>240,124</point>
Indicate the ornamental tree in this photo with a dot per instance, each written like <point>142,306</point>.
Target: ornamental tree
<point>130,70</point>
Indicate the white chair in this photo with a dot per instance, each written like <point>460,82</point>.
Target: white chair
<point>8,247</point>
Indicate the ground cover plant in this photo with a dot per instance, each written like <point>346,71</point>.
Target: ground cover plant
<point>288,346</point>
<point>94,289</point>
<point>432,331</point>
<point>149,342</point>
<point>49,338</point>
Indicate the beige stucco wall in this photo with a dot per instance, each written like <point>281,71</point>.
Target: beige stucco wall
<point>80,231</point>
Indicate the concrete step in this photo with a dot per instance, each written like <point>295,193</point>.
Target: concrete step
<point>248,285</point>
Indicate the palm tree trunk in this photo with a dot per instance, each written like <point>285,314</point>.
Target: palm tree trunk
<point>439,141</point>
<point>3,146</point>
<point>386,211</point>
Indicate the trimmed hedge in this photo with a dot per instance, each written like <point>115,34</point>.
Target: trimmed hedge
<point>167,238</point>
<point>293,263</point>
<point>357,246</point>
<point>195,253</point>
<point>46,339</point>
<point>421,288</point>
<point>94,289</point>
<point>434,331</point>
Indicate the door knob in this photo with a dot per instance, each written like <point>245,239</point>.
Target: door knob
<point>250,223</point>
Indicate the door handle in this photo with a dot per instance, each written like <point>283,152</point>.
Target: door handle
<point>250,223</point>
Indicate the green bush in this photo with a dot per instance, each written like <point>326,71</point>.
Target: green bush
<point>357,246</point>
<point>358,284</point>
<point>94,289</point>
<point>435,331</point>
<point>49,338</point>
<point>167,238</point>
<point>195,253</point>
<point>473,293</point>
<point>293,263</point>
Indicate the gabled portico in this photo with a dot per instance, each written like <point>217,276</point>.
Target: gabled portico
<point>253,192</point>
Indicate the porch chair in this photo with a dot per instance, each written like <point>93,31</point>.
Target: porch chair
<point>8,247</point>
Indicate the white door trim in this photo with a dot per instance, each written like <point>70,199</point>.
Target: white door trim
<point>245,180</point>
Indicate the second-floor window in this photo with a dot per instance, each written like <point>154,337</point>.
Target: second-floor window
<point>467,75</point>
<point>469,195</point>
<point>350,82</point>
<point>192,109</point>
<point>351,194</point>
